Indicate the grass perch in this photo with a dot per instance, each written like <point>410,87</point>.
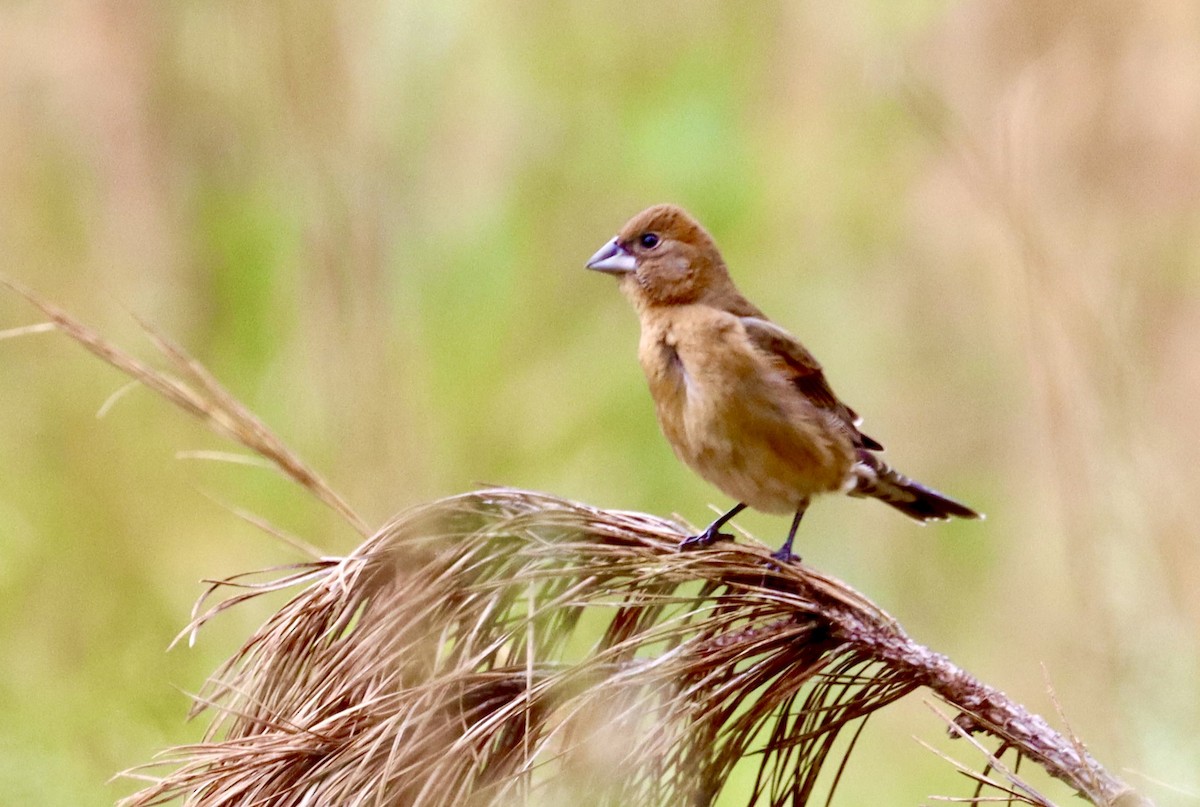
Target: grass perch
<point>440,664</point>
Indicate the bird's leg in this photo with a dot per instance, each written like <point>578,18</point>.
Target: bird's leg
<point>713,532</point>
<point>784,555</point>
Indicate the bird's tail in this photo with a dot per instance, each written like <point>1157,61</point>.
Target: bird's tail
<point>878,480</point>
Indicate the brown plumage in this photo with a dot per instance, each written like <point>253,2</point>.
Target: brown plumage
<point>739,399</point>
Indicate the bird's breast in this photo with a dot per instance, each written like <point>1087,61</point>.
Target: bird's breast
<point>734,419</point>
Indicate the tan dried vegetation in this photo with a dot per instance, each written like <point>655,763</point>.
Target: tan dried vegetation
<point>448,660</point>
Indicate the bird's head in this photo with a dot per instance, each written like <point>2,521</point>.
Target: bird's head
<point>664,257</point>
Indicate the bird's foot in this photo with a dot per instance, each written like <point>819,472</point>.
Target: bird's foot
<point>706,538</point>
<point>785,555</point>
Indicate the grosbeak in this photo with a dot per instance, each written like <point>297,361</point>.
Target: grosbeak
<point>739,398</point>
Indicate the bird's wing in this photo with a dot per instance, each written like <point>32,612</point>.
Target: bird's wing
<point>804,371</point>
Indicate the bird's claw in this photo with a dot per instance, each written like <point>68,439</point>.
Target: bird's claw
<point>785,556</point>
<point>706,538</point>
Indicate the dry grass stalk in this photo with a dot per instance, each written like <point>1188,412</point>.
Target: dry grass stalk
<point>448,661</point>
<point>445,662</point>
<point>196,392</point>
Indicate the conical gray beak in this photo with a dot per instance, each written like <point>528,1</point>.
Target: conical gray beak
<point>612,258</point>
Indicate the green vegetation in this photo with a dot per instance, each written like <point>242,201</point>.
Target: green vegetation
<point>370,222</point>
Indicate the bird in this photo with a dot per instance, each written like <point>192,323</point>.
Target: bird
<point>740,400</point>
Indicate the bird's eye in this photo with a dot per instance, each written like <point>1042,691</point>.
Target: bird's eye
<point>648,240</point>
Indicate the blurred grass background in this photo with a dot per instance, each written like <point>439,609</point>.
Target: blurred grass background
<point>370,220</point>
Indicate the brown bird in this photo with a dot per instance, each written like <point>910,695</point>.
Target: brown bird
<point>739,398</point>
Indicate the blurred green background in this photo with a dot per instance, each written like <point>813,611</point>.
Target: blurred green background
<point>370,220</point>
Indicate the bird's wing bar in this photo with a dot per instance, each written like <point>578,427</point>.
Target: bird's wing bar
<point>804,371</point>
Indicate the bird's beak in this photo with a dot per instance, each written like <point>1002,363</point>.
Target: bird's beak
<point>612,258</point>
